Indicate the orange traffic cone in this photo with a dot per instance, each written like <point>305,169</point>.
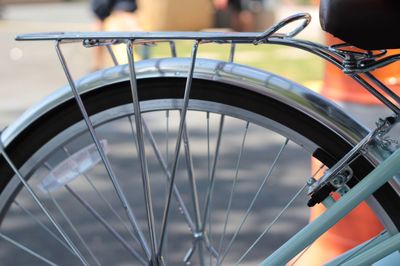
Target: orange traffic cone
<point>339,87</point>
<point>360,224</point>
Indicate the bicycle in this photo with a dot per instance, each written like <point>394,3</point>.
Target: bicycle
<point>68,157</point>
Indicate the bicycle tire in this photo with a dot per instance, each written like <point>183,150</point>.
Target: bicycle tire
<point>329,145</point>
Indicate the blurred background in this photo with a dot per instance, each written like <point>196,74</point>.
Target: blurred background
<point>30,70</point>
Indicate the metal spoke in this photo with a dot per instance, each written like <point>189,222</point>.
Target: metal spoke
<point>300,255</point>
<point>178,145</point>
<point>112,54</point>
<point>173,50</point>
<point>110,229</point>
<point>361,249</point>
<point>209,174</point>
<point>69,222</point>
<point>41,206</point>
<point>232,52</point>
<point>192,179</point>
<point>172,47</point>
<point>278,216</point>
<point>103,198</point>
<point>164,166</point>
<point>26,249</point>
<point>208,147</point>
<point>111,208</point>
<point>203,223</point>
<point>307,248</point>
<point>193,190</point>
<point>233,189</point>
<point>142,154</point>
<point>133,132</point>
<point>272,223</point>
<point>30,214</point>
<point>210,188</point>
<point>183,209</point>
<point>102,154</point>
<point>276,219</point>
<point>254,200</point>
<point>211,180</point>
<point>167,138</point>
<point>318,170</point>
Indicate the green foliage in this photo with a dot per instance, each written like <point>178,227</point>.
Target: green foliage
<point>291,63</point>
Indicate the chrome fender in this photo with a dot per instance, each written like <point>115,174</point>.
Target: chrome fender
<point>252,79</point>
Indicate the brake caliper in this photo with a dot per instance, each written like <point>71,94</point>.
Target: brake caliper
<point>336,178</point>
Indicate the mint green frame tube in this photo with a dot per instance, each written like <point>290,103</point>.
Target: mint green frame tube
<point>379,176</point>
<point>359,249</point>
<point>376,253</point>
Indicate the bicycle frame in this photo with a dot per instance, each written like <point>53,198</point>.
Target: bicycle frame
<point>358,65</point>
<point>385,171</point>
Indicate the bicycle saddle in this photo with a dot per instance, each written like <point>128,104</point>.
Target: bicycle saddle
<point>367,24</point>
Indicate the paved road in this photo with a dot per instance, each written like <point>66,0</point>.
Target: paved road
<point>29,71</point>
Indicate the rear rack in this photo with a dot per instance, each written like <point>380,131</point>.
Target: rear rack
<point>336,55</point>
<point>118,37</point>
<point>352,62</point>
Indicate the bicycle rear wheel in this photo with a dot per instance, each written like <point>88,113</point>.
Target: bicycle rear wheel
<point>245,158</point>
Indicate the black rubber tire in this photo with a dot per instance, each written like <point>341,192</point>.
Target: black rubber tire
<point>332,146</point>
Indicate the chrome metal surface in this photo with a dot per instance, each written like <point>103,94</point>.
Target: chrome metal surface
<point>182,122</point>
<point>172,47</point>
<point>210,188</point>
<point>148,106</point>
<point>225,72</point>
<point>245,37</point>
<point>104,38</point>
<point>109,38</point>
<point>42,225</point>
<point>112,55</point>
<point>348,60</point>
<point>141,151</point>
<point>376,93</point>
<point>232,53</point>
<point>107,226</point>
<point>281,24</point>
<point>232,191</point>
<point>252,79</point>
<point>36,199</point>
<point>20,246</point>
<point>164,166</point>
<point>368,185</point>
<point>383,87</point>
<point>73,227</point>
<point>197,242</point>
<point>341,165</point>
<point>102,154</point>
<point>268,228</point>
<point>253,200</point>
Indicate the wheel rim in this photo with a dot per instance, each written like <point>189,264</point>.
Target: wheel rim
<point>176,252</point>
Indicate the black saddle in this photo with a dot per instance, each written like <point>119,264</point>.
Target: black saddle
<point>367,24</point>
